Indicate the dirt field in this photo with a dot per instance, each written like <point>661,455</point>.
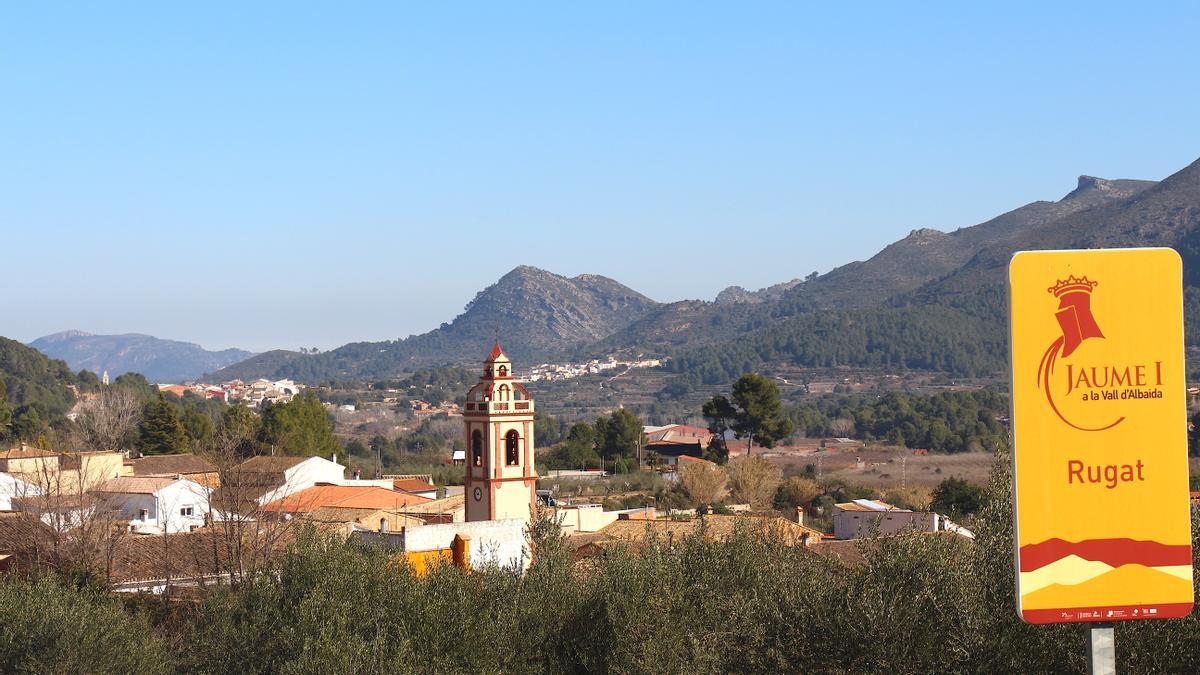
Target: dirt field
<point>887,467</point>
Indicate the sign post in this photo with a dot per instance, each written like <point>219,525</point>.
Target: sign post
<point>1102,649</point>
<point>1101,509</point>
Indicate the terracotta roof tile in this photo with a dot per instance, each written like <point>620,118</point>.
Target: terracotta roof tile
<point>412,485</point>
<point>345,496</point>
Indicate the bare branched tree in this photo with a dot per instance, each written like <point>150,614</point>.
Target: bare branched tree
<point>108,421</point>
<point>245,537</point>
<point>703,482</point>
<point>842,426</point>
<point>753,481</point>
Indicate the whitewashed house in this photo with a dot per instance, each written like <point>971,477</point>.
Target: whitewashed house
<point>13,487</point>
<point>267,478</point>
<point>871,517</point>
<point>157,504</point>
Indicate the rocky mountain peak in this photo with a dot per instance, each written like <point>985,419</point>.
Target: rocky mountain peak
<point>1094,190</point>
<point>925,235</point>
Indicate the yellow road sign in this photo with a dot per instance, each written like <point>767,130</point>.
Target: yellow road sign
<point>1103,522</point>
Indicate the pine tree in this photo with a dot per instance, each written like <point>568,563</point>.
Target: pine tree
<point>300,427</point>
<point>760,415</point>
<point>161,431</point>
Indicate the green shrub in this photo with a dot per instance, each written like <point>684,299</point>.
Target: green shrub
<point>49,627</point>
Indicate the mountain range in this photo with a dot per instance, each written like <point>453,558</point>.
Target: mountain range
<point>932,300</point>
<point>159,360</point>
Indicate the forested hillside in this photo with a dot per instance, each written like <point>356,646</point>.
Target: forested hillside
<point>963,338</point>
<point>36,390</point>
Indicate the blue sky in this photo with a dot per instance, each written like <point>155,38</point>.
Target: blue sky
<point>294,174</point>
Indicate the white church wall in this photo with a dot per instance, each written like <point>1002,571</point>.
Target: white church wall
<point>493,542</point>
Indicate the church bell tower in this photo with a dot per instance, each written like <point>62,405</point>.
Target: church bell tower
<point>498,422</point>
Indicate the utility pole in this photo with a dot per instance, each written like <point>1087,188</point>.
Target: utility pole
<point>903,472</point>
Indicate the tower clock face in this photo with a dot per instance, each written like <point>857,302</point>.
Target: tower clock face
<point>478,494</point>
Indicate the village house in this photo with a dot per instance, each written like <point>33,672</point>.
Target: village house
<point>267,478</point>
<point>60,473</point>
<point>156,504</point>
<point>666,444</point>
<point>583,518</point>
<point>870,517</point>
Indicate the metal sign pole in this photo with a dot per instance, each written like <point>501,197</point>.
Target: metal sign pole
<point>1102,649</point>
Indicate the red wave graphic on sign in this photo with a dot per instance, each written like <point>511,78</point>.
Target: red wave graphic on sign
<point>1112,552</point>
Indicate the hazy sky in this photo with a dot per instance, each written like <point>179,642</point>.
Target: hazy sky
<point>293,175</point>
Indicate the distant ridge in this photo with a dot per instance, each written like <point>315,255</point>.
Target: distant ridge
<point>158,359</point>
<point>927,254</point>
<point>540,316</point>
<point>931,301</point>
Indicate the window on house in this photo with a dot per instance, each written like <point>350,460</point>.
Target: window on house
<point>512,454</point>
<point>187,511</point>
<point>477,448</point>
<point>143,514</point>
<point>503,371</point>
<point>503,392</point>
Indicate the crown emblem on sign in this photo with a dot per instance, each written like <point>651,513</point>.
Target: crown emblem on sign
<point>1072,284</point>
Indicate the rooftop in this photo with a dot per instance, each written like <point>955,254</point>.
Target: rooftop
<point>636,533</point>
<point>344,496</point>
<point>25,452</point>
<point>445,505</point>
<point>269,463</point>
<point>338,514</point>
<point>412,485</point>
<point>868,505</point>
<point>143,485</point>
<point>152,465</point>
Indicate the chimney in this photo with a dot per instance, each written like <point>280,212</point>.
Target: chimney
<point>800,515</point>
